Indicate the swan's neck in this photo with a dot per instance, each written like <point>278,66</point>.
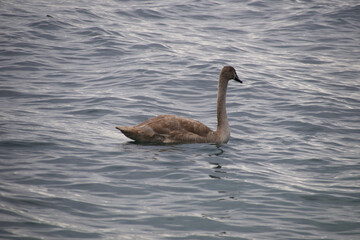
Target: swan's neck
<point>223,129</point>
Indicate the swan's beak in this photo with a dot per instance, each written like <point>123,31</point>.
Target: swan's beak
<point>237,78</point>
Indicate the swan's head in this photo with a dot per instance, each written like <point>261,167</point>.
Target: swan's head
<point>229,73</point>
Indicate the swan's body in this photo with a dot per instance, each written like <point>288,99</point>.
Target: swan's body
<point>175,129</point>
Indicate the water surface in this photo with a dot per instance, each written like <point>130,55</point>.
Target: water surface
<point>71,71</point>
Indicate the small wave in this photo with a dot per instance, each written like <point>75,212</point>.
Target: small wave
<point>91,112</point>
<point>24,144</point>
<point>148,14</point>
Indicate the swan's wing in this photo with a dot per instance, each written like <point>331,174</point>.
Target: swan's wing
<point>172,125</point>
<point>169,129</point>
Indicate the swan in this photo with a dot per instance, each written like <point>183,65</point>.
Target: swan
<point>173,129</point>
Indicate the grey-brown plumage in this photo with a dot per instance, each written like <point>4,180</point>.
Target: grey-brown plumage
<point>175,129</point>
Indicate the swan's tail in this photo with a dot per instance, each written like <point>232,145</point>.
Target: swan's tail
<point>139,135</point>
<point>128,131</point>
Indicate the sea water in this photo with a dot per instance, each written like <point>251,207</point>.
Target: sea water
<point>70,71</point>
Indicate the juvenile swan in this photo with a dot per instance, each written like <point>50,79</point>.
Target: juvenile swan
<point>175,129</point>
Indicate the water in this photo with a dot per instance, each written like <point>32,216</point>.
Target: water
<point>71,71</point>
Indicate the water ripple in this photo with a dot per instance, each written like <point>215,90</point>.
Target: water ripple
<point>71,72</point>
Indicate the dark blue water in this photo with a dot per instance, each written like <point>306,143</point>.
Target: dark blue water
<point>70,71</point>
